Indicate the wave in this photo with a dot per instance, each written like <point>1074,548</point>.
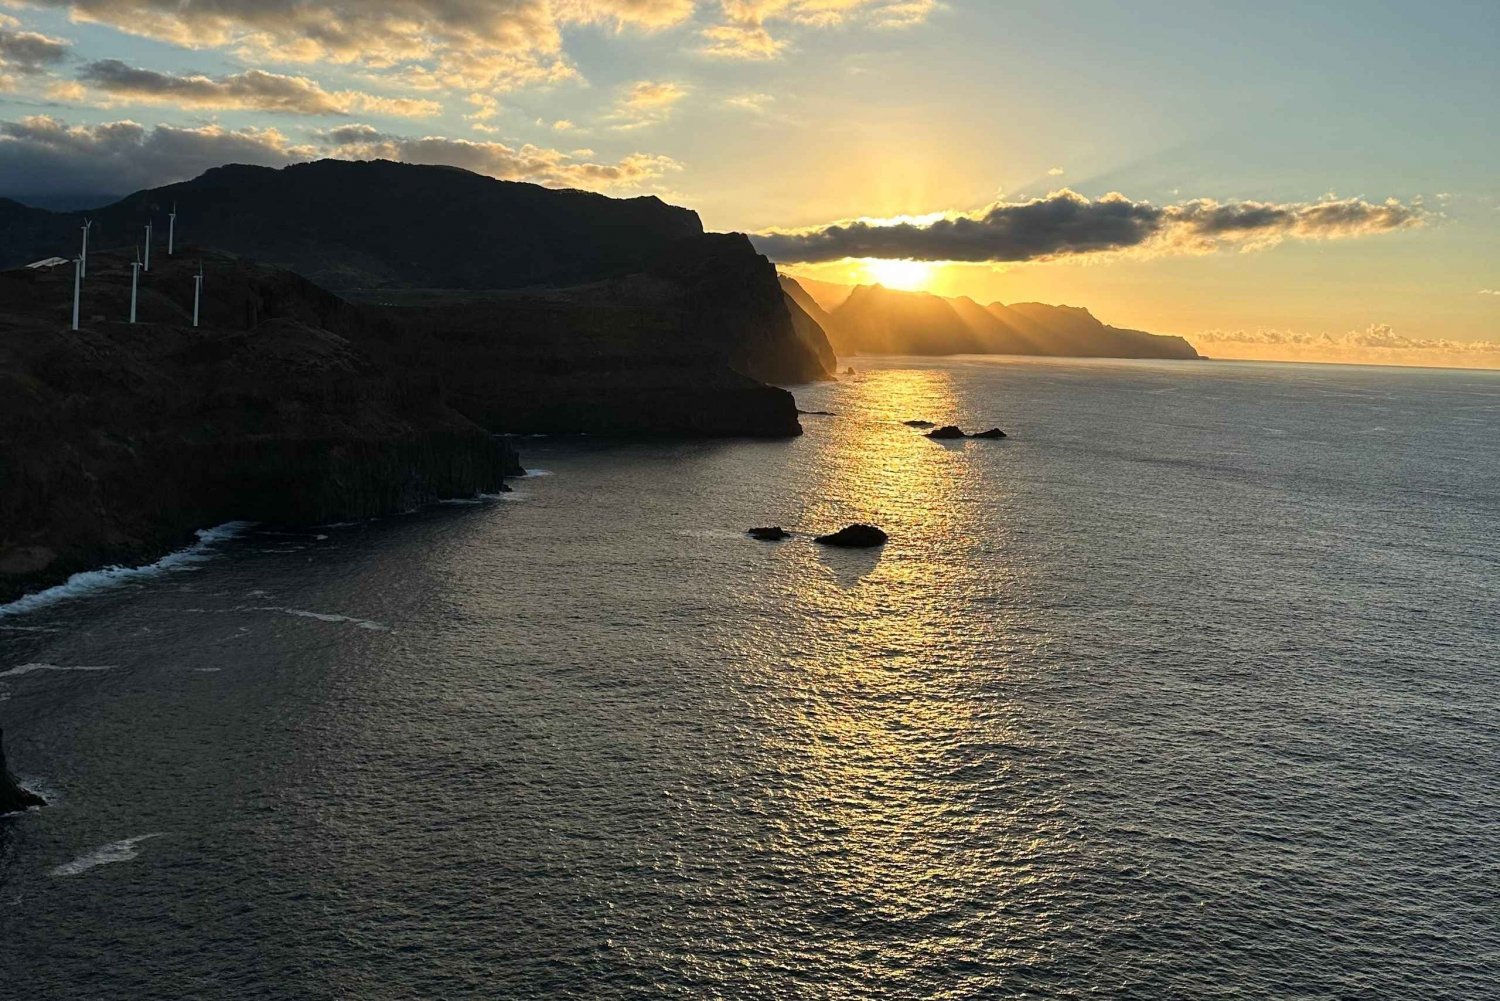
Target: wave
<point>119,851</point>
<point>90,581</point>
<point>16,672</point>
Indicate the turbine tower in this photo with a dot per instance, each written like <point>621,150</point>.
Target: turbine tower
<point>77,285</point>
<point>148,246</point>
<point>83,256</point>
<point>172,231</point>
<point>135,278</point>
<point>197,292</point>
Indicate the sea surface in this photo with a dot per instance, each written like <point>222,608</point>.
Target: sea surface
<point>1188,689</point>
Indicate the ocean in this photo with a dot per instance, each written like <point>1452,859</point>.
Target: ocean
<point>1188,689</point>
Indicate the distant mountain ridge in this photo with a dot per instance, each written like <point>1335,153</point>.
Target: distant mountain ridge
<point>877,320</point>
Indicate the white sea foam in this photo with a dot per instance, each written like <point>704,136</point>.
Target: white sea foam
<point>90,581</point>
<point>16,672</point>
<point>536,472</point>
<point>119,851</point>
<point>327,617</point>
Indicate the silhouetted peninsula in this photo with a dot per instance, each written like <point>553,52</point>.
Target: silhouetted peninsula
<point>877,320</point>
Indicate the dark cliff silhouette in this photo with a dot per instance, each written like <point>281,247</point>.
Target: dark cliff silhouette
<point>877,320</point>
<point>379,225</point>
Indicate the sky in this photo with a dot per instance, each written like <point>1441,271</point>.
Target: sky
<point>1270,179</point>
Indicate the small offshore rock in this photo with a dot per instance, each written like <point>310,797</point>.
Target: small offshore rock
<point>773,534</point>
<point>991,433</point>
<point>855,537</point>
<point>849,370</point>
<point>817,413</point>
<point>947,433</point>
<point>919,424</point>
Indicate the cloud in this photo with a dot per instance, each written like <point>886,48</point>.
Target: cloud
<point>41,155</point>
<point>647,102</point>
<point>1377,344</point>
<point>1065,224</point>
<point>467,43</point>
<point>27,53</point>
<point>526,163</point>
<point>251,90</point>
<point>1489,291</point>
<point>756,104</point>
<point>745,34</point>
<point>1056,172</point>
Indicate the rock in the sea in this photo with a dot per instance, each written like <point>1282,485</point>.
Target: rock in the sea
<point>947,433</point>
<point>991,433</point>
<point>12,796</point>
<point>774,534</point>
<point>849,370</point>
<point>855,537</point>
<point>817,413</point>
<point>919,424</point>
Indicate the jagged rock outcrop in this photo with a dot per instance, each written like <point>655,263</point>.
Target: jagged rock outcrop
<point>13,796</point>
<point>947,433</point>
<point>770,534</point>
<point>855,537</point>
<point>118,441</point>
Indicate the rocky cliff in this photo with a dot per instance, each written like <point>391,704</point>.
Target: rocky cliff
<point>117,441</point>
<point>390,226</point>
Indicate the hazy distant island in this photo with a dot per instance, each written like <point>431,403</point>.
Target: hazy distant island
<point>369,328</point>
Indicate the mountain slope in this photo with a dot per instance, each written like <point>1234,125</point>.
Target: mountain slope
<point>381,225</point>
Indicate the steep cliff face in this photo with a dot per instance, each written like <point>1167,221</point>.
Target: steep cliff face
<point>118,441</point>
<point>382,225</point>
<point>734,301</point>
<point>615,358</point>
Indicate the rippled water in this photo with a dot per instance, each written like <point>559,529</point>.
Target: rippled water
<point>1187,690</point>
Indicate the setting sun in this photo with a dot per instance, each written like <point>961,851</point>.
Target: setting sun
<point>907,276</point>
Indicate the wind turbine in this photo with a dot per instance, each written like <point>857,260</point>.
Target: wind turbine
<point>172,231</point>
<point>148,246</point>
<point>77,286</point>
<point>197,292</point>
<point>88,224</point>
<point>135,278</point>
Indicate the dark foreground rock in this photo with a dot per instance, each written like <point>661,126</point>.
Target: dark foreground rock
<point>775,534</point>
<point>991,433</point>
<point>12,796</point>
<point>855,537</point>
<point>117,442</point>
<point>947,433</point>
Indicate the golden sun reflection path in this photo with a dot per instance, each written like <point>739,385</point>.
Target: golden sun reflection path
<point>913,810</point>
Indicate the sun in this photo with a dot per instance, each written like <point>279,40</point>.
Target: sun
<point>908,276</point>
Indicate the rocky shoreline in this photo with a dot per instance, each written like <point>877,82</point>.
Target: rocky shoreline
<point>118,442</point>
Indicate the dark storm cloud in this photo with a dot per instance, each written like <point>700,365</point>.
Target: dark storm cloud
<point>1066,223</point>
